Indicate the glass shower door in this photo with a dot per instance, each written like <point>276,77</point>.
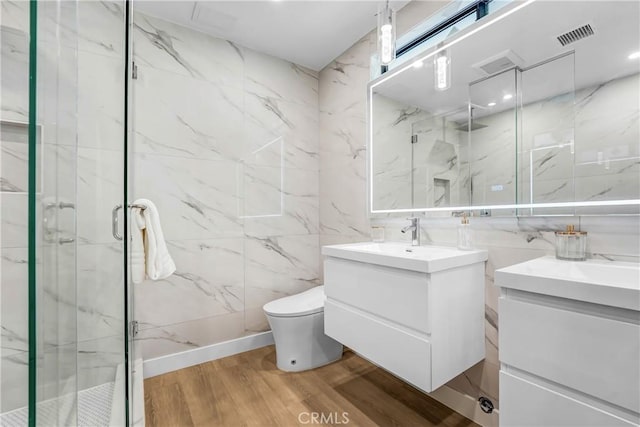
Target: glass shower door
<point>80,293</point>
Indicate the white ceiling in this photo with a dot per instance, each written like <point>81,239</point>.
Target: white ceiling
<point>308,33</point>
<point>531,33</point>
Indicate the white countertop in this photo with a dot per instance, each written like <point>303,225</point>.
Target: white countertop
<point>611,283</point>
<point>425,259</point>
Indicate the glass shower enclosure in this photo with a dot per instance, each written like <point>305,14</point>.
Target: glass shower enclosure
<point>65,357</point>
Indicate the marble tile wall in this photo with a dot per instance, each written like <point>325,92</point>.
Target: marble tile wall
<point>14,21</point>
<point>344,217</point>
<point>226,145</point>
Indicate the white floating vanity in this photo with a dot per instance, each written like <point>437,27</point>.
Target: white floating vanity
<point>569,343</point>
<point>416,311</point>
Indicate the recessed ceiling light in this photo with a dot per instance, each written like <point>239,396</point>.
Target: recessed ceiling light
<point>634,55</point>
<point>418,64</point>
<point>507,97</point>
<point>491,104</point>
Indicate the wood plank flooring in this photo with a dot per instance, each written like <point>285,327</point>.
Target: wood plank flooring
<point>248,390</point>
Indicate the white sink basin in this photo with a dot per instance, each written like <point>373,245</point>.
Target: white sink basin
<point>425,259</point>
<point>610,283</point>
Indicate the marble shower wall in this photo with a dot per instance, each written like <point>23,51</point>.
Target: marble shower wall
<point>344,217</point>
<point>226,145</point>
<point>14,107</point>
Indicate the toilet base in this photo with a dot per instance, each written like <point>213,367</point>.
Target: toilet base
<point>301,343</point>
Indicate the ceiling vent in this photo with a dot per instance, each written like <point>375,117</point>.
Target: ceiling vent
<point>575,35</point>
<point>500,62</point>
<point>208,15</point>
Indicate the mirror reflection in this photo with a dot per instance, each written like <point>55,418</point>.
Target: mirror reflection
<point>546,118</point>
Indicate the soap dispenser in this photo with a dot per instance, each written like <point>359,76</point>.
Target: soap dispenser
<point>571,245</point>
<point>464,234</point>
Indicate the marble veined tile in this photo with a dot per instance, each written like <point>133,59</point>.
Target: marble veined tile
<point>284,264</point>
<point>14,220</point>
<point>188,117</point>
<point>14,300</point>
<point>14,167</point>
<point>90,26</point>
<point>170,47</point>
<point>271,77</point>
<point>196,198</point>
<point>342,83</point>
<point>269,119</point>
<point>342,141</point>
<point>208,282</point>
<point>58,94</point>
<point>15,15</point>
<point>343,106</point>
<point>14,66</point>
<point>101,27</point>
<point>14,390</point>
<point>343,202</point>
<point>100,183</point>
<point>100,290</point>
<point>98,361</point>
<point>280,201</point>
<point>100,106</point>
<point>156,342</point>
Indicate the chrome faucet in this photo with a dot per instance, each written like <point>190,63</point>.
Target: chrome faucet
<point>415,230</point>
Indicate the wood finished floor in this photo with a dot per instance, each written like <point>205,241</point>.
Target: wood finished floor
<point>248,390</point>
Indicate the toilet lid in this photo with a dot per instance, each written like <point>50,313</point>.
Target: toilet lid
<point>308,302</point>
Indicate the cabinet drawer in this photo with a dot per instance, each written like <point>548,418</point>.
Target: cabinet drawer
<point>394,294</point>
<point>402,354</point>
<point>595,355</point>
<point>524,403</point>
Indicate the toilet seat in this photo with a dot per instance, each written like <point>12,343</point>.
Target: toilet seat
<point>302,304</point>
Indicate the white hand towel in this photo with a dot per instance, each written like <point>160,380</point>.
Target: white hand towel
<point>157,261</point>
<point>137,246</point>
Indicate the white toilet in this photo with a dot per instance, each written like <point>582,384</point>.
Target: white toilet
<point>297,323</point>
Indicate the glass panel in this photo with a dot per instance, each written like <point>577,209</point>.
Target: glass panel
<point>546,153</point>
<point>80,294</point>
<point>439,165</point>
<point>492,141</point>
<point>14,149</point>
<point>55,216</point>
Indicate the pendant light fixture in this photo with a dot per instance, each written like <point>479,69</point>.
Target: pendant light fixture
<point>442,70</point>
<point>386,34</point>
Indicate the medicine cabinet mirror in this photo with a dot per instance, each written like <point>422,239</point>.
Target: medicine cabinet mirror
<point>517,114</point>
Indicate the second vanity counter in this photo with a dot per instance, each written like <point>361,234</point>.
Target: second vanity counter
<point>610,283</point>
<point>570,342</point>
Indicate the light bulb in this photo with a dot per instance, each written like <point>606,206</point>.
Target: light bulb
<point>507,97</point>
<point>442,72</point>
<point>634,55</point>
<point>418,64</point>
<point>491,104</point>
<point>386,44</point>
<point>386,35</point>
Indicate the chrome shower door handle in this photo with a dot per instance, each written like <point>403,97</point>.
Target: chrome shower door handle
<point>114,222</point>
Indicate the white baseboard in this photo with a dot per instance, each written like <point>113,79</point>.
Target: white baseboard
<point>465,405</point>
<point>184,359</point>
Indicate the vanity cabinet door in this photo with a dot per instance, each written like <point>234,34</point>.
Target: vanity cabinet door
<point>400,296</point>
<point>524,403</point>
<point>596,354</point>
<point>398,351</point>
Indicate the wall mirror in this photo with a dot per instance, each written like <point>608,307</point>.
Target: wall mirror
<point>515,115</point>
